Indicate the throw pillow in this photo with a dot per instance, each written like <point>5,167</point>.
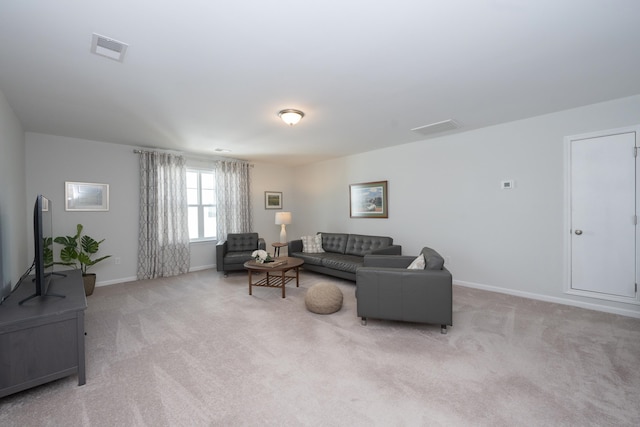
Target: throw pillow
<point>312,244</point>
<point>418,263</point>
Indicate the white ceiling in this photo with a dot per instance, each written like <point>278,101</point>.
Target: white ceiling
<point>204,74</point>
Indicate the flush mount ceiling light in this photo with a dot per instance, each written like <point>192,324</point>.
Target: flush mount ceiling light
<point>291,117</point>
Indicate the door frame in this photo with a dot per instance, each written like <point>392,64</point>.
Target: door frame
<point>567,217</point>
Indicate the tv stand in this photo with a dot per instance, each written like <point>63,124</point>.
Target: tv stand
<point>44,340</point>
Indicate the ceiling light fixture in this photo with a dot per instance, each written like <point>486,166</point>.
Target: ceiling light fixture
<point>291,117</point>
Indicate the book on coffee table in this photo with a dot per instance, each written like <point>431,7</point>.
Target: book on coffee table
<point>275,263</point>
<point>272,264</point>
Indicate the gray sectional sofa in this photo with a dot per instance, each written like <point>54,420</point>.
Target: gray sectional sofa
<point>343,253</point>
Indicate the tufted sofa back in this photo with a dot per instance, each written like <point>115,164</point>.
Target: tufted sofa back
<point>353,244</point>
<point>361,245</point>
<point>334,242</point>
<point>242,241</point>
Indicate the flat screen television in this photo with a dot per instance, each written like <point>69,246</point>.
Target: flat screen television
<point>43,247</point>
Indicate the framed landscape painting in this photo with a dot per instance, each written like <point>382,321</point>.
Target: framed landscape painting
<point>368,200</point>
<point>273,200</point>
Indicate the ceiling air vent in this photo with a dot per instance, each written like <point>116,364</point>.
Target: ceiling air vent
<point>438,127</point>
<point>104,46</point>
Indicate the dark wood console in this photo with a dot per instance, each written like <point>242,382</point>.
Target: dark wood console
<point>43,339</point>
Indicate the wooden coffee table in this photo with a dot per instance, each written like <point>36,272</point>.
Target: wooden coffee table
<point>276,276</point>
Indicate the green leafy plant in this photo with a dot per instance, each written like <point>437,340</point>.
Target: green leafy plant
<point>79,249</point>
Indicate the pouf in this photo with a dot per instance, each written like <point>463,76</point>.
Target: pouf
<point>323,298</point>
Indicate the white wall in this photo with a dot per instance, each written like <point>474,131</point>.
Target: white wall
<point>270,177</point>
<point>13,206</point>
<point>445,193</point>
<point>52,160</point>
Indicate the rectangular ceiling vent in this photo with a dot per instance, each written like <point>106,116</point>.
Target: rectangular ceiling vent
<point>438,127</point>
<point>105,46</point>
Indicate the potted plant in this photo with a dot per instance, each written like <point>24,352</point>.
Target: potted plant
<point>79,249</point>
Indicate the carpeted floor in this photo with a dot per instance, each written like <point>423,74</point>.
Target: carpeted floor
<point>197,350</point>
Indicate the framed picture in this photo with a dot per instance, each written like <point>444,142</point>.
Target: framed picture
<point>272,200</point>
<point>368,200</point>
<point>86,196</point>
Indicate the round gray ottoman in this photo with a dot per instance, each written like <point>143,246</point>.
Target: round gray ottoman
<point>323,298</point>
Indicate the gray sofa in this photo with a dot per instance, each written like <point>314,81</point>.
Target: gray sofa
<point>344,253</point>
<point>386,289</point>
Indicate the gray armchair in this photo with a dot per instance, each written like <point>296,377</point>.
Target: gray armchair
<point>232,253</point>
<point>386,289</point>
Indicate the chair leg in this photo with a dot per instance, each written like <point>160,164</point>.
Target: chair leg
<point>363,321</point>
<point>443,329</point>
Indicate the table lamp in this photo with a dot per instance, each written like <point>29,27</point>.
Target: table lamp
<point>283,218</point>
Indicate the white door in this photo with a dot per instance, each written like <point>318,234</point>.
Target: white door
<point>603,215</point>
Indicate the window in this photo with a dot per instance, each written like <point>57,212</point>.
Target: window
<point>201,197</point>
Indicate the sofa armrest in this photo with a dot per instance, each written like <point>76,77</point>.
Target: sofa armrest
<point>294,246</point>
<point>389,250</point>
<point>221,251</point>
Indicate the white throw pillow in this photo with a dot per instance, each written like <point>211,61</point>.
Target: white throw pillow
<point>312,244</point>
<point>418,263</point>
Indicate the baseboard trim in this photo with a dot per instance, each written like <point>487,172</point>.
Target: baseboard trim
<point>116,281</point>
<point>539,297</point>
<point>134,278</point>
<point>202,267</point>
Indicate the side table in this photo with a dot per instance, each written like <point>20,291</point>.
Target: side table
<point>277,246</point>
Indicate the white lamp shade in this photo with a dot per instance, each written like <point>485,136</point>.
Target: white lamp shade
<point>283,218</point>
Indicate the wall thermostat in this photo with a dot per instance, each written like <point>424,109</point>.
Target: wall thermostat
<point>506,185</point>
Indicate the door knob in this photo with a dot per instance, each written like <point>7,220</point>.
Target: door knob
<point>578,232</point>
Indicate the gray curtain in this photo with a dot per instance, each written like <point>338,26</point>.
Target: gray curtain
<point>233,201</point>
<point>163,236</point>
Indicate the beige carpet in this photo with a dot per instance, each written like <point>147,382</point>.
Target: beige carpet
<point>197,350</point>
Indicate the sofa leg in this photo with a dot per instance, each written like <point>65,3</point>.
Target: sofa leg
<point>226,274</point>
<point>363,321</point>
<point>443,329</point>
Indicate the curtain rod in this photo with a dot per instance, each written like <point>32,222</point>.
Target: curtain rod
<point>192,157</point>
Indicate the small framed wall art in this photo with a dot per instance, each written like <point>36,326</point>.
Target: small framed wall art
<point>86,196</point>
<point>273,200</point>
<point>368,200</point>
